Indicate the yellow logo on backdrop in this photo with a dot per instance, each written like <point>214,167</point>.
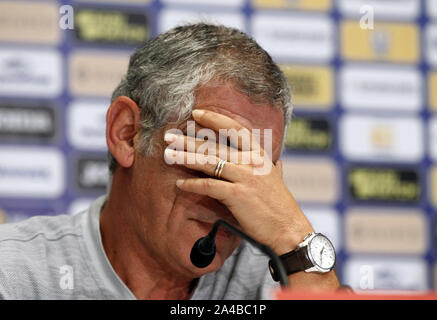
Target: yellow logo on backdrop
<point>383,184</point>
<point>432,89</point>
<point>309,134</point>
<point>382,137</point>
<point>321,5</point>
<point>110,26</point>
<point>395,42</point>
<point>311,86</point>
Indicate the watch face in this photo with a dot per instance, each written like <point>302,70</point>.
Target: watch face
<point>322,252</point>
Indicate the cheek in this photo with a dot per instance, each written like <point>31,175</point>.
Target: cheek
<point>273,142</point>
<point>276,153</point>
<point>272,146</point>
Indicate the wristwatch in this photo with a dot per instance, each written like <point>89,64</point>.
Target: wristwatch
<point>314,254</point>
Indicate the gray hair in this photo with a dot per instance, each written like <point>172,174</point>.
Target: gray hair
<point>165,72</point>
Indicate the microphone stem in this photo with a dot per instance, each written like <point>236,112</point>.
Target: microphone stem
<point>266,249</point>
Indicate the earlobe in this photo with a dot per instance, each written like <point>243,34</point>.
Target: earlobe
<point>122,121</point>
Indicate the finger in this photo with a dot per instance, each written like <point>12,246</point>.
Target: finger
<point>239,136</point>
<point>210,147</point>
<point>194,144</point>
<point>206,164</point>
<point>217,189</point>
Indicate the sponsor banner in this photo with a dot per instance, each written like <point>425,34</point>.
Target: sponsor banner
<point>309,134</point>
<point>435,276</point>
<point>170,18</point>
<point>295,36</point>
<point>391,42</point>
<point>86,125</point>
<point>386,273</point>
<point>431,8</point>
<point>432,92</point>
<point>433,188</point>
<point>434,232</point>
<point>95,73</point>
<point>110,26</point>
<point>27,122</point>
<point>431,44</point>
<point>228,3</point>
<point>31,172</point>
<point>433,138</point>
<point>115,1</point>
<point>35,73</point>
<point>397,9</point>
<point>383,139</point>
<point>376,87</point>
<point>92,174</point>
<point>383,184</point>
<point>311,180</point>
<point>79,205</point>
<point>386,231</point>
<point>325,220</point>
<point>29,22</point>
<point>320,5</point>
<point>312,86</point>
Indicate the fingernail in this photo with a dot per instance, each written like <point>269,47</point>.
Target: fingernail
<point>170,137</point>
<point>198,113</point>
<point>179,182</point>
<point>169,152</point>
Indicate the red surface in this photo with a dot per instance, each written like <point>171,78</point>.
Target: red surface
<point>296,295</point>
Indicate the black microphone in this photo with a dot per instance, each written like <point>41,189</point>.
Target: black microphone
<point>204,250</point>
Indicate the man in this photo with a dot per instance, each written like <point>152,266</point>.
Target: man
<point>136,241</point>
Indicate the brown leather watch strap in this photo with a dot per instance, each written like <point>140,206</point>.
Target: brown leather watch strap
<point>293,261</point>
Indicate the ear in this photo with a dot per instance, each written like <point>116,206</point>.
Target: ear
<point>121,127</point>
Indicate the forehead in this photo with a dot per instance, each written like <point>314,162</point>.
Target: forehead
<point>225,99</point>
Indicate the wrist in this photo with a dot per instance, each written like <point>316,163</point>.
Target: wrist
<point>304,281</point>
<point>291,240</point>
<point>289,237</point>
